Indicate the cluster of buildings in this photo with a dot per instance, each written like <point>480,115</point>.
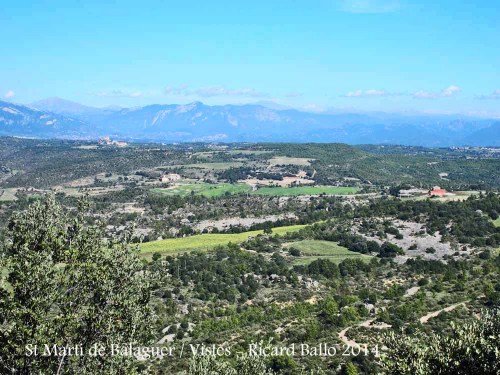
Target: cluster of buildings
<point>436,191</point>
<point>170,177</point>
<point>107,141</point>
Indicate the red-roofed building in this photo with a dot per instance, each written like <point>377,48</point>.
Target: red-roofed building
<point>436,191</point>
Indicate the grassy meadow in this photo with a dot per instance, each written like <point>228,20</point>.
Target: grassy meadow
<point>206,241</point>
<point>314,249</point>
<point>208,190</point>
<point>216,190</point>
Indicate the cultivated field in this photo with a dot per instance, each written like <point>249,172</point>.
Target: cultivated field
<point>207,241</point>
<point>283,160</point>
<point>306,190</point>
<point>185,188</point>
<point>8,195</point>
<point>314,249</point>
<point>208,190</point>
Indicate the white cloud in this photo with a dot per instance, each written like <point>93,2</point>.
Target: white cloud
<point>369,93</point>
<point>293,95</point>
<point>369,6</point>
<point>495,95</point>
<point>450,90</point>
<point>120,94</point>
<point>213,91</point>
<point>447,92</point>
<point>9,94</point>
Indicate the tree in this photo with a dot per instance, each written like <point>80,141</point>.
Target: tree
<point>471,348</point>
<point>349,369</point>
<point>329,311</point>
<point>66,287</point>
<point>244,365</point>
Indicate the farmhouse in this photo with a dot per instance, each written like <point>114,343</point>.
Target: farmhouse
<point>406,193</point>
<point>436,191</point>
<point>107,141</point>
<point>170,177</point>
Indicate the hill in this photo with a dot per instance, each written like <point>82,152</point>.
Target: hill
<point>197,122</point>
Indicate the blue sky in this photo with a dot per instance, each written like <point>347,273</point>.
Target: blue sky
<point>384,55</point>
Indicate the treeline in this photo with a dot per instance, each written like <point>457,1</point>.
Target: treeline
<point>227,274</point>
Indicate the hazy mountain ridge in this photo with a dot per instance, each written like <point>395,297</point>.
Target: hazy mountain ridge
<point>23,121</point>
<point>59,118</point>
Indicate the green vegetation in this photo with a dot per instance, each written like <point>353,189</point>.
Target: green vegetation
<point>314,249</point>
<point>470,348</point>
<point>239,266</point>
<point>207,190</point>
<point>306,190</point>
<point>99,292</point>
<point>7,195</point>
<point>207,241</point>
<point>213,166</point>
<point>215,190</point>
<point>496,222</point>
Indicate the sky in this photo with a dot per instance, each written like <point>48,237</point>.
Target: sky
<point>365,55</point>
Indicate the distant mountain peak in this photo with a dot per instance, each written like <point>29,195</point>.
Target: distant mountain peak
<point>61,106</point>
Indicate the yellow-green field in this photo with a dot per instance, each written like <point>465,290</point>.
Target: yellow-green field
<point>208,190</point>
<point>207,241</point>
<point>314,249</point>
<point>185,188</point>
<point>306,190</point>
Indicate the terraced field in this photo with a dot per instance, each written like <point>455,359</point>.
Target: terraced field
<point>207,241</point>
<point>314,249</point>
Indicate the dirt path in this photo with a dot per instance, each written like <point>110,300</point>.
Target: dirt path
<point>424,319</point>
<point>368,323</point>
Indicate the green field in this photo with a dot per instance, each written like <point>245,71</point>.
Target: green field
<point>8,195</point>
<point>206,241</point>
<point>314,249</point>
<point>216,190</point>
<point>306,190</point>
<point>208,190</point>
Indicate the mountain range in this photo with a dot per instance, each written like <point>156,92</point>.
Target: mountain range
<point>262,122</point>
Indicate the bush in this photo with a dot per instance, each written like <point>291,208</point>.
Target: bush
<point>471,348</point>
<point>293,251</point>
<point>423,282</point>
